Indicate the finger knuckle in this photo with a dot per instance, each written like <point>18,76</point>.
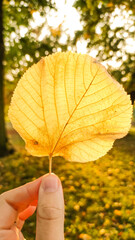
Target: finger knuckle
<point>49,213</point>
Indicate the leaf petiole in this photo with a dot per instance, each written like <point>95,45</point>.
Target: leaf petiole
<point>50,164</point>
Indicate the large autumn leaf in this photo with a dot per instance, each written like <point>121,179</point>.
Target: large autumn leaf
<point>68,105</point>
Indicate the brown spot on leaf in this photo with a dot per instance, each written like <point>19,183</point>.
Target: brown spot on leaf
<point>35,142</point>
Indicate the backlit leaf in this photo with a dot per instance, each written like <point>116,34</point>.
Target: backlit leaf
<point>68,105</point>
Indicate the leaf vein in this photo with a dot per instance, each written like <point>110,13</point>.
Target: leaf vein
<point>22,127</point>
<point>82,141</point>
<point>100,81</point>
<point>42,100</point>
<point>29,106</point>
<point>93,124</point>
<point>31,95</point>
<point>55,98</point>
<point>26,116</point>
<point>34,76</point>
<point>83,72</point>
<point>75,80</point>
<point>75,155</point>
<point>65,85</point>
<point>98,100</point>
<point>99,90</point>
<point>73,112</point>
<point>96,150</point>
<point>32,86</point>
<point>112,106</point>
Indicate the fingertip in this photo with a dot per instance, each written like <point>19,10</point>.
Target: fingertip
<point>50,183</point>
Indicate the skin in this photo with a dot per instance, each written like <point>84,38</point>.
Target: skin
<point>44,194</point>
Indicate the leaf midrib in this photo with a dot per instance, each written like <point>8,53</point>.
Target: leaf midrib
<point>51,154</point>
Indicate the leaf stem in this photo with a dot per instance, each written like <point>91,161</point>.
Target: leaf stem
<point>50,164</point>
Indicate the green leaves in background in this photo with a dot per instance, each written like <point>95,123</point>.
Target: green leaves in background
<point>110,41</point>
<point>99,196</point>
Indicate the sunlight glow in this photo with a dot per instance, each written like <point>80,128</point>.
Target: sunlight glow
<point>23,31</point>
<point>37,19</point>
<point>66,15</point>
<point>68,19</point>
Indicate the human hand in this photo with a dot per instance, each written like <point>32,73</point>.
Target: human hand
<point>18,204</point>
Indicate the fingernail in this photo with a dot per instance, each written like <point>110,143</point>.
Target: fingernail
<point>50,183</point>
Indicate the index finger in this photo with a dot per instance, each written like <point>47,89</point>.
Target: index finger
<point>15,201</point>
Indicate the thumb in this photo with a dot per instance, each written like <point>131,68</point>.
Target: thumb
<point>50,210</point>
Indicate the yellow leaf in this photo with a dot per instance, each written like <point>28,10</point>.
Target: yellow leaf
<point>68,105</point>
<point>83,213</point>
<point>121,226</point>
<point>117,212</point>
<point>77,207</point>
<point>93,188</point>
<point>107,222</point>
<point>84,236</point>
<point>107,206</point>
<point>110,4</point>
<point>102,231</point>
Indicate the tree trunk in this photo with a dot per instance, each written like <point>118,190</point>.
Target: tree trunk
<point>132,95</point>
<point>3,148</point>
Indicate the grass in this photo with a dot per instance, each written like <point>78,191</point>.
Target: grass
<point>99,196</point>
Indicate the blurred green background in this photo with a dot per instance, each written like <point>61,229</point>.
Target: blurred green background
<point>100,195</point>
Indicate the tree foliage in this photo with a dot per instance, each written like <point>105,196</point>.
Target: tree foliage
<point>108,26</point>
<point>22,37</point>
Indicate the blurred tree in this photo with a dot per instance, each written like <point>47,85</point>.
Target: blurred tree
<point>108,27</point>
<point>3,148</point>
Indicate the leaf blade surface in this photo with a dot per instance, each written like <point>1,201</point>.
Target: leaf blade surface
<point>70,107</point>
